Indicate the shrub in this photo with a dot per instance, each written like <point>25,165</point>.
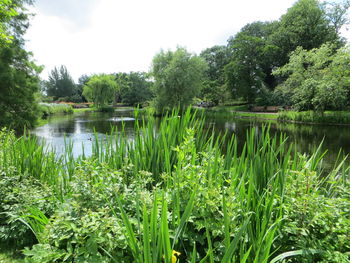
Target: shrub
<point>86,226</point>
<point>47,99</point>
<point>18,193</point>
<point>47,109</point>
<point>314,217</point>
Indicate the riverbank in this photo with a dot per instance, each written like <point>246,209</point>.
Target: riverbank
<point>47,109</point>
<point>242,112</point>
<point>312,117</point>
<point>305,117</point>
<point>51,109</point>
<point>105,109</point>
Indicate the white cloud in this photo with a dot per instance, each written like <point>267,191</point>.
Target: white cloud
<point>125,35</point>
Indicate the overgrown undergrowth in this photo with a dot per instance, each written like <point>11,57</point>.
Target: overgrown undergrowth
<point>173,190</point>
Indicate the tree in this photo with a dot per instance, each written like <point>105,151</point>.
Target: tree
<point>19,81</point>
<point>260,47</point>
<point>178,78</point>
<point>252,60</point>
<point>317,79</point>
<point>7,12</point>
<point>307,25</point>
<point>60,84</point>
<point>216,57</point>
<point>135,87</point>
<point>100,89</point>
<point>336,13</point>
<point>82,81</point>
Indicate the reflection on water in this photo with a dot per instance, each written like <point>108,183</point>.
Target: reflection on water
<point>81,129</point>
<point>307,137</point>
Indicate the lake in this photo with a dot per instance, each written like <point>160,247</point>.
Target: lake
<point>81,128</point>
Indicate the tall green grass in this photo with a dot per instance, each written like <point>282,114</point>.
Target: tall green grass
<point>27,156</point>
<point>150,149</point>
<point>204,197</point>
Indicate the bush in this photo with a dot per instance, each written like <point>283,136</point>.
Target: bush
<point>88,226</point>
<point>19,193</point>
<point>314,217</point>
<point>47,109</point>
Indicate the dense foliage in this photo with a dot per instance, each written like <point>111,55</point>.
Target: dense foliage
<point>317,79</point>
<point>134,88</point>
<point>253,57</point>
<point>19,80</point>
<point>101,89</point>
<point>190,195</point>
<point>213,89</point>
<point>61,85</point>
<point>305,25</point>
<point>260,47</point>
<point>178,78</point>
<point>7,11</point>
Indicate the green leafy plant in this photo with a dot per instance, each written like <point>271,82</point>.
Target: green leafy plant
<point>18,193</point>
<point>180,194</point>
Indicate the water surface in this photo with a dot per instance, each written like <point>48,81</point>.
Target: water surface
<point>80,129</point>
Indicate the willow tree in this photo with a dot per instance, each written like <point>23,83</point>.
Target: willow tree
<point>178,78</point>
<point>101,90</point>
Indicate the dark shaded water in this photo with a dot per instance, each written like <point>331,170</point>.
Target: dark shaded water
<point>306,137</point>
<point>80,128</point>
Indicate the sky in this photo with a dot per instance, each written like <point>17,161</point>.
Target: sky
<point>108,36</point>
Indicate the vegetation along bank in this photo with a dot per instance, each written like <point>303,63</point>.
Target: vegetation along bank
<point>180,194</point>
<point>262,203</point>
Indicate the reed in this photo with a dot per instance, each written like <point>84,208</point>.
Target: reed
<point>204,198</point>
<point>151,149</point>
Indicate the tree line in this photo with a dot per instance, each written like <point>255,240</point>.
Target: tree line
<point>131,88</point>
<point>299,60</point>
